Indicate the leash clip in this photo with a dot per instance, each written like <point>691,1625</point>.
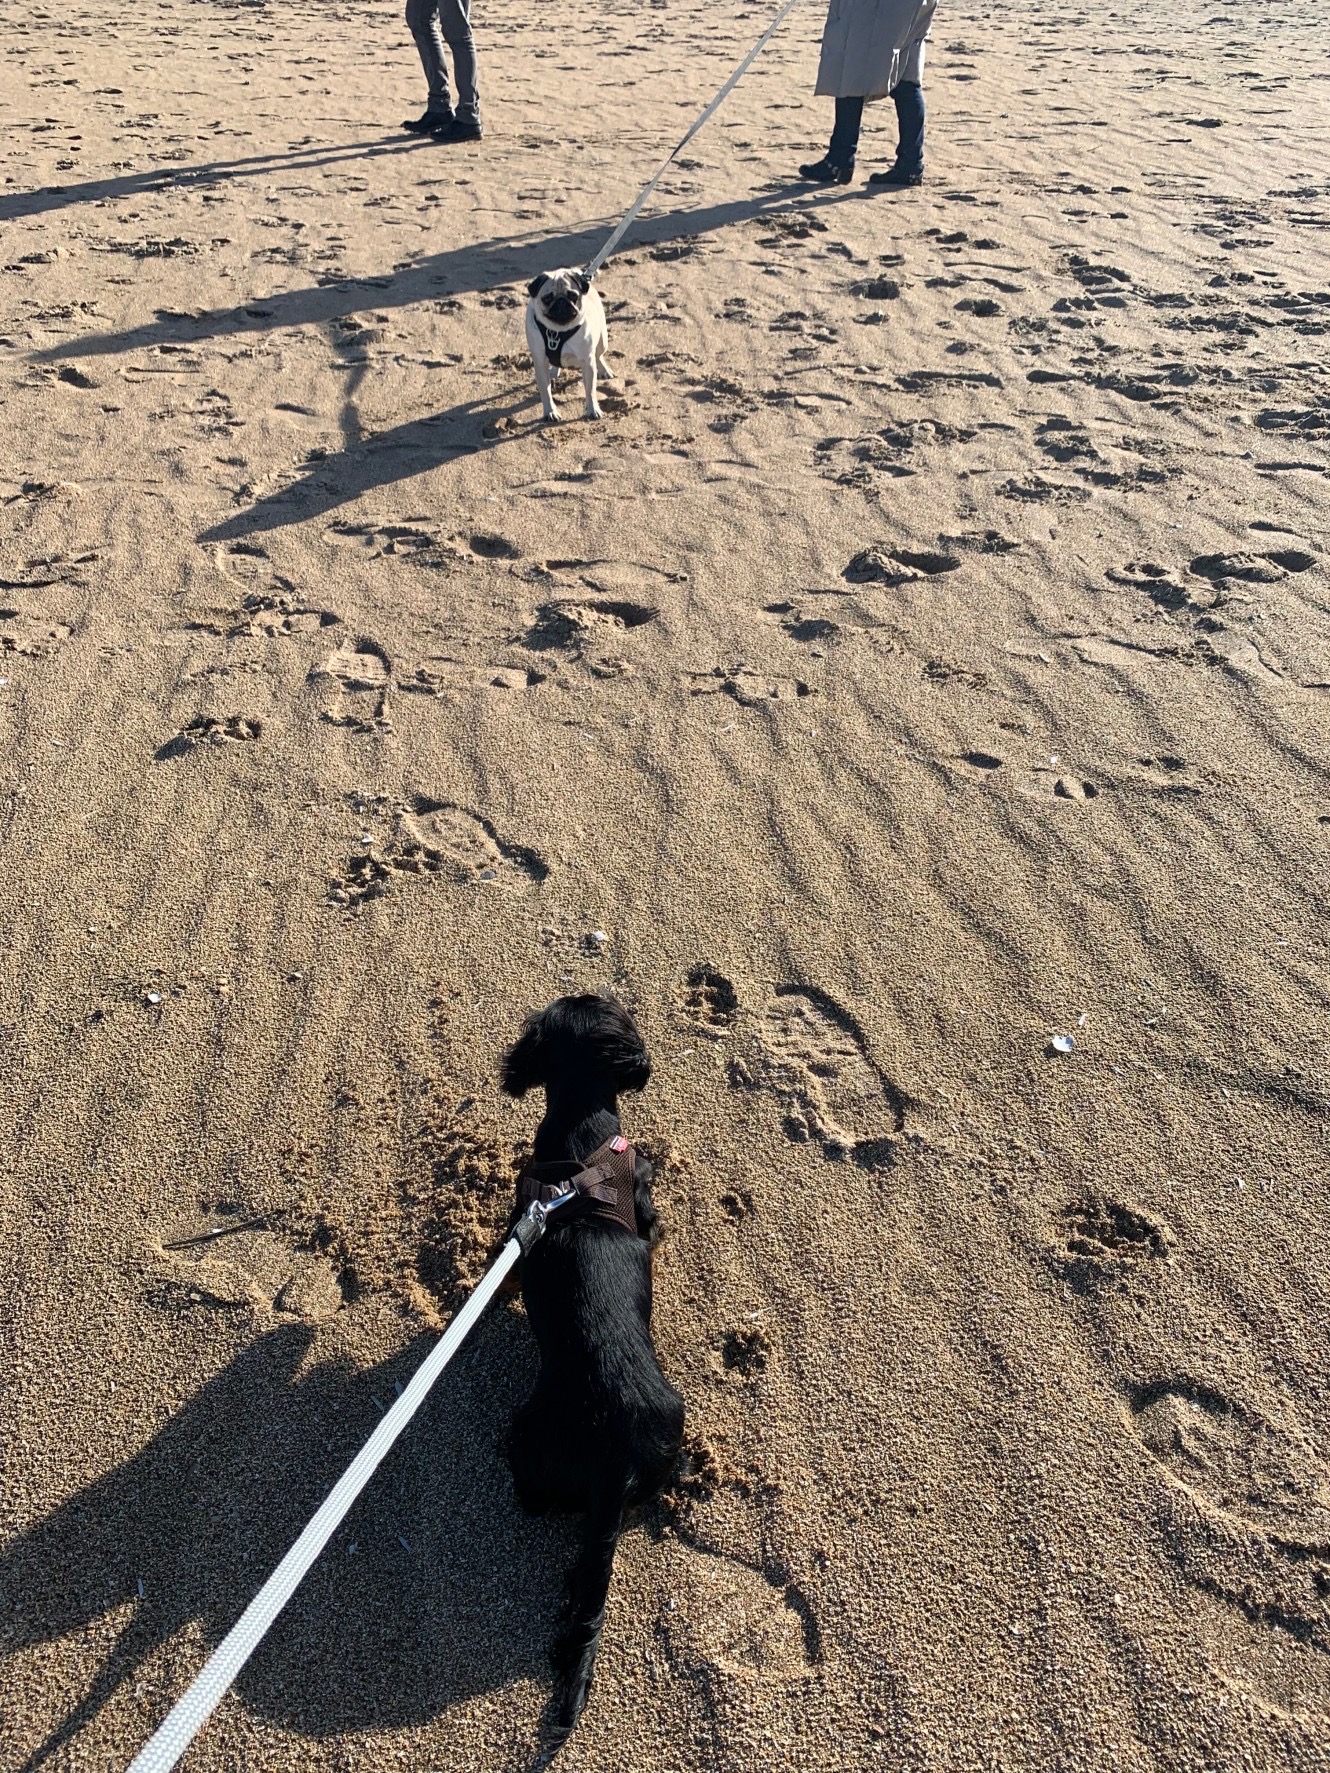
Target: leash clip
<point>530,1228</point>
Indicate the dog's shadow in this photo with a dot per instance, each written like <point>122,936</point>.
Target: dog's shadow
<point>436,1587</point>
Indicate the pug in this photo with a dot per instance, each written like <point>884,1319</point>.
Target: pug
<point>565,329</point>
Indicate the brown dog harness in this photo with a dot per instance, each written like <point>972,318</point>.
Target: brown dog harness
<point>605,1183</point>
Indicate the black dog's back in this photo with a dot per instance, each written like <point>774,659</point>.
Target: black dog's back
<point>602,1430</point>
<point>601,1401</point>
<point>603,1427</point>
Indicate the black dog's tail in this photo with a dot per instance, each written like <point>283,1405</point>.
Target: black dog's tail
<point>574,1653</point>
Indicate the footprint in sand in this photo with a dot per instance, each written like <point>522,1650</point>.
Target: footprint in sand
<point>926,381</point>
<point>1121,654</point>
<point>35,492</point>
<point>436,837</point>
<point>1304,423</point>
<point>232,1258</point>
<point>1062,440</point>
<point>819,623</point>
<point>950,671</point>
<point>412,538</point>
<point>737,1205</point>
<point>1237,654</point>
<point>609,578</point>
<point>75,378</point>
<point>1074,789</point>
<point>1258,569</point>
<point>439,675</point>
<point>361,673</point>
<point>805,628</point>
<point>745,1354</point>
<point>982,763</point>
<point>736,1629</point>
<point>710,1000</point>
<point>27,636</point>
<point>1103,1241</point>
<point>270,608</point>
<point>454,1225</point>
<point>787,225</point>
<point>578,626</point>
<point>1034,489</point>
<point>1165,774</point>
<point>876,289</point>
<point>466,846</point>
<point>378,539</point>
<point>889,450</point>
<point>249,563</point>
<point>811,1054</point>
<point>980,541</point>
<point>45,570</point>
<point>626,598</point>
<point>879,564</point>
<point>213,729</point>
<point>745,1621</point>
<point>357,665</point>
<point>749,688</point>
<point>277,614</point>
<point>986,765</point>
<point>1160,586</point>
<point>1245,1504</point>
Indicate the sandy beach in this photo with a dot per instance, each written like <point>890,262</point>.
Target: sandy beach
<point>926,661</point>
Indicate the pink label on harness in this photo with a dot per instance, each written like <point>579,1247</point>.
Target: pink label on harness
<point>619,1144</point>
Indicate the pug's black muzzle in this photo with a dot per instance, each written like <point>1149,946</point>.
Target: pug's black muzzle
<point>562,310</point>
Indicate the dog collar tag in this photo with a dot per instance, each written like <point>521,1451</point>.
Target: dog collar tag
<point>618,1143</point>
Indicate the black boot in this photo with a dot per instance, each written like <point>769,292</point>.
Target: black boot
<point>895,175</point>
<point>828,171</point>
<point>460,129</point>
<point>428,123</point>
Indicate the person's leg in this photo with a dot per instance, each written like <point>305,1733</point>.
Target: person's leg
<point>455,18</point>
<point>909,101</point>
<point>837,166</point>
<point>845,132</point>
<point>910,111</point>
<point>422,20</point>
<point>908,97</point>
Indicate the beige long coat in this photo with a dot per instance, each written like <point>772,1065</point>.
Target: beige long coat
<point>868,46</point>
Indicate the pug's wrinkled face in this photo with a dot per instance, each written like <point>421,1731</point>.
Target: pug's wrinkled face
<point>559,296</point>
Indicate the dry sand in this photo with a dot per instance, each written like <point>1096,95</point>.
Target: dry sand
<point>927,657</point>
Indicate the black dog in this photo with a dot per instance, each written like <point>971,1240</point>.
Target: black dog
<point>601,1432</point>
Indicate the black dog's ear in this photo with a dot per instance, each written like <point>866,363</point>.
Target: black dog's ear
<point>525,1064</point>
<point>632,1070</point>
<point>538,283</point>
<point>621,1048</point>
<point>582,281</point>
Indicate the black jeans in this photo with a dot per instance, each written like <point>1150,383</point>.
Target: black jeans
<point>908,98</point>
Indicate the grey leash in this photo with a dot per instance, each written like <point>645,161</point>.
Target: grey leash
<point>192,1711</point>
<point>590,269</point>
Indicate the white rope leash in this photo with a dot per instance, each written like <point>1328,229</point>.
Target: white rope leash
<point>196,1706</point>
<point>734,79</point>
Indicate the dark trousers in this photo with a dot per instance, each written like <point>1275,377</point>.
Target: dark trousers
<point>908,98</point>
<point>432,23</point>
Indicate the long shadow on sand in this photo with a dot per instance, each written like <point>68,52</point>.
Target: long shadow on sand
<point>154,179</point>
<point>482,266</point>
<point>380,460</point>
<point>436,1587</point>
